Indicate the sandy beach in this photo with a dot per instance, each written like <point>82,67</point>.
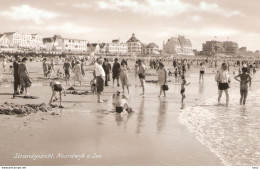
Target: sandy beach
<point>152,135</point>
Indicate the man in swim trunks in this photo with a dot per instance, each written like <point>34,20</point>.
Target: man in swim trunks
<point>141,74</point>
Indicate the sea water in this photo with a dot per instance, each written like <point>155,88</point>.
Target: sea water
<point>231,132</point>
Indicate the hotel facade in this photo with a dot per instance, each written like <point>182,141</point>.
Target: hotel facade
<point>57,42</point>
<point>134,45</point>
<point>151,49</point>
<point>179,46</point>
<point>116,47</point>
<point>18,40</point>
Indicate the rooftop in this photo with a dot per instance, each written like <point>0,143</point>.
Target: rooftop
<point>133,39</point>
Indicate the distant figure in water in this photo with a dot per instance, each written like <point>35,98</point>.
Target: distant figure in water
<point>223,80</point>
<point>244,79</point>
<point>56,87</point>
<point>202,71</point>
<point>183,84</point>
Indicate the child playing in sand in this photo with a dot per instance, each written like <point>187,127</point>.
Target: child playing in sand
<point>56,87</point>
<point>120,103</point>
<point>93,86</point>
<point>244,79</point>
<point>59,74</point>
<point>183,84</point>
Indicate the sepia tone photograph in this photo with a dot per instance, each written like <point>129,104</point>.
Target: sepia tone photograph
<point>129,83</point>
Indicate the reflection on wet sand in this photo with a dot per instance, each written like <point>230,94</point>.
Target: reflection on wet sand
<point>182,105</point>
<point>201,88</point>
<point>140,117</point>
<point>161,116</point>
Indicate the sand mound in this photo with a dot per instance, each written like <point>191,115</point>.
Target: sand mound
<point>71,88</point>
<point>23,110</point>
<point>78,93</point>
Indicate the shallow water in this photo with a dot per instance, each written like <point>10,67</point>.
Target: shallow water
<point>232,132</point>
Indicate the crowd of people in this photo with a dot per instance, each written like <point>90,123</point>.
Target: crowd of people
<point>103,68</point>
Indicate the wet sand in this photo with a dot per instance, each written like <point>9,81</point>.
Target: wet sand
<point>150,136</point>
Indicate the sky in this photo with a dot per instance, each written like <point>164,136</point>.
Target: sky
<point>151,20</point>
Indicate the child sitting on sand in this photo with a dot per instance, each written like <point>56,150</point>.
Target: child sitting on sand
<point>244,79</point>
<point>120,103</point>
<point>93,86</point>
<point>56,87</point>
<point>183,84</point>
<point>59,74</point>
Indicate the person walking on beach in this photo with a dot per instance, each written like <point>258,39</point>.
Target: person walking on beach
<point>244,79</point>
<point>4,63</point>
<point>125,81</point>
<point>78,75</point>
<point>46,69</point>
<point>56,87</point>
<point>141,74</point>
<point>52,66</point>
<point>17,88</point>
<point>202,71</point>
<point>223,80</point>
<point>107,68</point>
<point>82,67</point>
<point>67,67</point>
<point>100,76</point>
<point>116,71</point>
<point>24,75</point>
<point>162,78</point>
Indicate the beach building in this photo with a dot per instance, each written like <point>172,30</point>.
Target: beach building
<point>93,47</point>
<point>212,47</point>
<point>179,46</point>
<point>28,41</point>
<point>230,46</point>
<point>58,43</point>
<point>116,47</point>
<point>55,43</point>
<point>151,49</point>
<point>134,45</point>
<point>243,49</point>
<point>75,45</point>
<point>4,41</point>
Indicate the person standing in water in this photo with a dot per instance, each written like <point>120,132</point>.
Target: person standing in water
<point>183,84</point>
<point>223,80</point>
<point>141,74</point>
<point>116,71</point>
<point>100,79</point>
<point>125,81</point>
<point>162,78</point>
<point>244,79</point>
<point>202,71</point>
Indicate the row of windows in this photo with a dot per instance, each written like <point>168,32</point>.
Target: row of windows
<point>75,41</point>
<point>27,38</point>
<point>75,46</point>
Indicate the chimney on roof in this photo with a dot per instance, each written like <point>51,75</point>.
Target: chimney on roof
<point>133,35</point>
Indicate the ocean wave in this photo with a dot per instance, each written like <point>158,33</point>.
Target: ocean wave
<point>232,133</point>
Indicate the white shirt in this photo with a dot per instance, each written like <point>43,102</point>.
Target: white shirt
<point>222,76</point>
<point>99,71</point>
